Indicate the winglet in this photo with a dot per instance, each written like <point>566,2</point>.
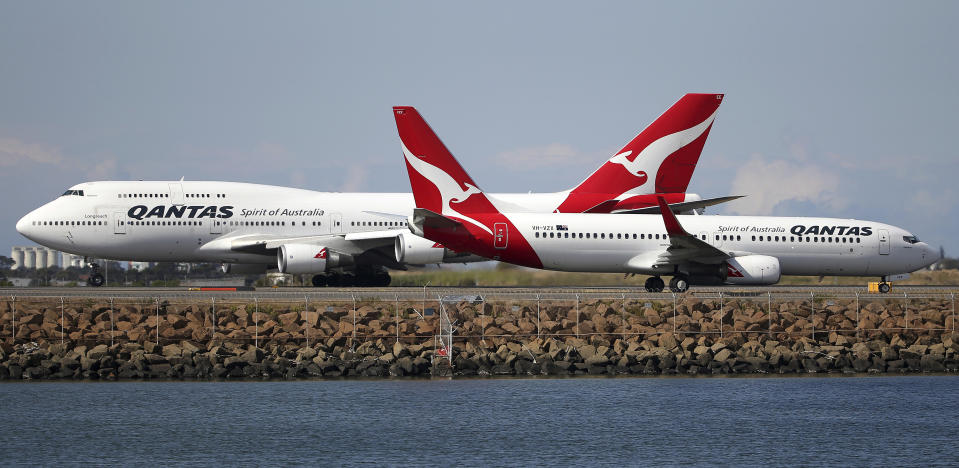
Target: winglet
<point>673,228</point>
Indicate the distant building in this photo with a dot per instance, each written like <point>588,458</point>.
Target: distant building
<point>33,257</point>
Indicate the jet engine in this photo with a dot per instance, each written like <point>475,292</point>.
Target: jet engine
<point>417,250</point>
<point>752,270</point>
<point>306,258</point>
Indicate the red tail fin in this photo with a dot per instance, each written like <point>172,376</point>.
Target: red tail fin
<point>439,183</point>
<point>661,159</point>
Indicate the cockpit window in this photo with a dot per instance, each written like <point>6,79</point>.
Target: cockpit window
<point>73,192</point>
<point>910,239</point>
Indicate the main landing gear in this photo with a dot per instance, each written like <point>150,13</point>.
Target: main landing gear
<point>678,284</point>
<point>95,279</point>
<point>346,279</point>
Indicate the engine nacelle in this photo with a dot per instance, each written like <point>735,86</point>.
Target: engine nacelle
<point>418,250</point>
<point>244,268</point>
<point>753,270</point>
<point>306,258</point>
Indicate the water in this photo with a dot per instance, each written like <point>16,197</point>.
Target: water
<point>853,421</point>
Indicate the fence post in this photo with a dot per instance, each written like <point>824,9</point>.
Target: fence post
<point>213,314</point>
<point>396,312</point>
<point>353,342</point>
<point>674,312</point>
<point>256,324</point>
<point>306,312</point>
<point>953,312</point>
<point>14,327</point>
<point>577,316</point>
<point>858,324</point>
<point>905,305</point>
<point>111,322</point>
<point>537,316</point>
<point>61,320</point>
<point>623,335</point>
<point>812,314</point>
<point>483,329</point>
<point>158,320</point>
<point>769,312</point>
<point>720,314</point>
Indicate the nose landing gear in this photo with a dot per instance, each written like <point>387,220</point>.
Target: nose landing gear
<point>884,286</point>
<point>95,279</point>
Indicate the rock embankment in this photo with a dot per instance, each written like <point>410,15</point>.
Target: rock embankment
<point>47,339</point>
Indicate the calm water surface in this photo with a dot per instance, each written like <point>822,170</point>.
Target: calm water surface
<point>853,421</point>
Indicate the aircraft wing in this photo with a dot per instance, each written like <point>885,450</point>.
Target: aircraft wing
<point>683,246</point>
<point>354,243</point>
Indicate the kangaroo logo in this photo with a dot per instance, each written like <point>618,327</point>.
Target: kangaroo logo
<point>450,191</point>
<point>651,158</point>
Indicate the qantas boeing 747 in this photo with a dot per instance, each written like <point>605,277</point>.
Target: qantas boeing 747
<point>746,250</point>
<point>343,238</point>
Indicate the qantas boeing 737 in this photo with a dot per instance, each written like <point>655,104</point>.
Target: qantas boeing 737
<point>745,250</point>
<point>343,238</point>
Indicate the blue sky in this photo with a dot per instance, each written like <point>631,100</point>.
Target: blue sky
<point>842,109</point>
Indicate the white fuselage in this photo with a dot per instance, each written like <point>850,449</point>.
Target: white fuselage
<point>632,243</point>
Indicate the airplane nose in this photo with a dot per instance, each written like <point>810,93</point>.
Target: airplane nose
<point>26,228</point>
<point>22,225</point>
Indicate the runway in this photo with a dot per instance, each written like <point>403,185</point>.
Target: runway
<point>476,293</point>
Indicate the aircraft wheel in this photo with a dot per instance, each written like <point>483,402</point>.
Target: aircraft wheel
<point>333,280</point>
<point>363,279</point>
<point>678,284</point>
<point>884,287</point>
<point>95,280</point>
<point>654,284</point>
<point>319,281</point>
<point>348,279</point>
<point>382,279</point>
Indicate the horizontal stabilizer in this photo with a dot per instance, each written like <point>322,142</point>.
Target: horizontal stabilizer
<point>425,218</point>
<point>683,206</point>
<point>603,207</point>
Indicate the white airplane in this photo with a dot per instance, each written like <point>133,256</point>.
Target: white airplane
<point>342,238</point>
<point>745,250</point>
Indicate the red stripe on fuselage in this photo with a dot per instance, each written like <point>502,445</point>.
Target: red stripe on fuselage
<point>475,240</point>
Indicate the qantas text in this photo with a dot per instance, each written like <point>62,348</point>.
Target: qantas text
<point>815,230</point>
<point>194,211</point>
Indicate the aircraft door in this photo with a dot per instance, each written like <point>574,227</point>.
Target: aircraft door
<point>714,239</point>
<point>336,223</point>
<point>883,242</point>
<point>176,194</point>
<point>119,223</point>
<point>500,235</point>
<point>216,226</point>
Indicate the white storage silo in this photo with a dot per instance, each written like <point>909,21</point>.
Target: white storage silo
<point>41,257</point>
<point>53,258</point>
<point>16,254</point>
<point>29,258</point>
